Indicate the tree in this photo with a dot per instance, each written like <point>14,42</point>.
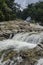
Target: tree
<point>7,10</point>
<point>35,11</point>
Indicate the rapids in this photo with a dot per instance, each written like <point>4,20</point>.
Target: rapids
<point>32,37</point>
<point>20,41</point>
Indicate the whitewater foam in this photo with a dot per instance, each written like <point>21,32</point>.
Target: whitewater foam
<point>18,45</point>
<point>22,41</point>
<point>32,37</point>
<point>40,61</point>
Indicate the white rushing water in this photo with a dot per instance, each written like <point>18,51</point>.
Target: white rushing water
<point>40,61</point>
<point>17,45</point>
<point>32,37</point>
<point>20,41</point>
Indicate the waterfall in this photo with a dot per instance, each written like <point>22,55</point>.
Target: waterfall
<point>32,37</point>
<point>20,40</point>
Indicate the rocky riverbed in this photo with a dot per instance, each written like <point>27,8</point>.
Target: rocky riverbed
<point>8,28</point>
<point>27,57</point>
<point>21,43</point>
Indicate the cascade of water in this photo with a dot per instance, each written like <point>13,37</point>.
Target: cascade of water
<point>29,37</point>
<point>20,41</point>
<point>18,45</point>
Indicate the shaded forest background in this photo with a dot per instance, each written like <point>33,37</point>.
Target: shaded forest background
<point>9,10</point>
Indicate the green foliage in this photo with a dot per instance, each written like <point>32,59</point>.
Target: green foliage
<point>1,16</point>
<point>9,11</point>
<point>6,10</point>
<point>35,11</point>
<point>10,3</point>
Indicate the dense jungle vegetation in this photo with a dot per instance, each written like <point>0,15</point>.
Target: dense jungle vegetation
<point>9,10</point>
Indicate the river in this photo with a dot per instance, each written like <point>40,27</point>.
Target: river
<point>20,42</point>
